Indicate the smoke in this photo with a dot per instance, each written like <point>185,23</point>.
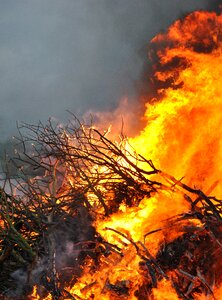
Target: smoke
<point>68,242</point>
<point>77,55</point>
<point>214,5</point>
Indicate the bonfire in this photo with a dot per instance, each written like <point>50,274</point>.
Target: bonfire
<point>131,218</point>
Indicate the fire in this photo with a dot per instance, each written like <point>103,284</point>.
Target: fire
<point>138,240</point>
<point>183,130</point>
<point>134,223</point>
<point>164,292</point>
<point>182,136</point>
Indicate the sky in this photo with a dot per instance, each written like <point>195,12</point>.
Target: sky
<point>77,55</point>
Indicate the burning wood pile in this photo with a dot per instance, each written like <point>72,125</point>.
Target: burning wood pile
<point>105,222</point>
<point>51,236</point>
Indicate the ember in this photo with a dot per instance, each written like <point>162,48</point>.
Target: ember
<point>107,219</point>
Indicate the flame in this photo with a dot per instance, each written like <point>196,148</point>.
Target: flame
<point>182,137</point>
<point>164,291</point>
<point>183,130</point>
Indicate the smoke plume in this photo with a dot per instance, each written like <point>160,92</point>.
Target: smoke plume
<point>77,55</point>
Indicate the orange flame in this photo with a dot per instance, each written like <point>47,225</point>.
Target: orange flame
<point>182,137</point>
<point>183,131</point>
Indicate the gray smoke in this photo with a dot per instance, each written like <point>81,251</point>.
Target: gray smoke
<point>78,55</point>
<point>65,244</point>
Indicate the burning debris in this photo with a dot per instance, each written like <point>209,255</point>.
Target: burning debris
<point>104,221</point>
<point>56,232</point>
